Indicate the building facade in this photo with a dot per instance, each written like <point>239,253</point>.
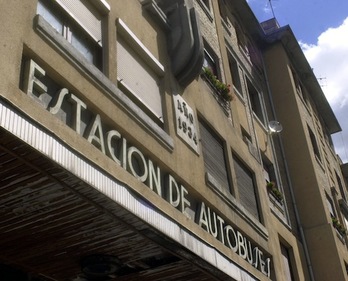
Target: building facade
<point>164,140</point>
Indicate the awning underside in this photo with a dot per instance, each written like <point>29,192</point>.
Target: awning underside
<point>50,219</point>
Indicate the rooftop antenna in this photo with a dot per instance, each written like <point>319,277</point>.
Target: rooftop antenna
<point>322,81</point>
<point>270,4</point>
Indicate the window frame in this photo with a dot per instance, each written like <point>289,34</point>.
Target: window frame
<point>256,101</point>
<point>236,71</point>
<point>254,210</point>
<point>74,30</point>
<point>219,176</point>
<point>286,253</point>
<point>314,142</point>
<point>207,4</point>
<point>151,62</point>
<point>211,61</point>
<point>331,207</point>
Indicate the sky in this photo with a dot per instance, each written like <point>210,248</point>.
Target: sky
<point>321,28</point>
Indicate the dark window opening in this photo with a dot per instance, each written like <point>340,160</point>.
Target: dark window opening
<point>255,101</point>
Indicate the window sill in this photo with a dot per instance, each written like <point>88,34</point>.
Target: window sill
<point>235,206</point>
<point>98,78</point>
<point>340,236</point>
<point>277,208</point>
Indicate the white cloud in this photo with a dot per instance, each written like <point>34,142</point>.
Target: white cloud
<point>329,60</point>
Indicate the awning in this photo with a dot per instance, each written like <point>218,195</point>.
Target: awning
<point>56,208</point>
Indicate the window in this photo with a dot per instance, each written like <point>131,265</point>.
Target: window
<point>301,91</point>
<point>330,207</point>
<point>255,101</point>
<point>139,73</point>
<point>345,220</point>
<point>235,71</point>
<point>214,156</point>
<point>246,187</point>
<point>288,274</point>
<point>211,61</point>
<point>314,143</point>
<point>268,170</point>
<point>79,22</point>
<point>340,186</point>
<point>241,38</point>
<point>255,55</point>
<point>206,4</point>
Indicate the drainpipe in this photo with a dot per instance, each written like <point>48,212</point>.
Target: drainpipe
<point>288,178</point>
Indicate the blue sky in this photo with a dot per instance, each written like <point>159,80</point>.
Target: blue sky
<point>321,27</point>
<point>307,18</point>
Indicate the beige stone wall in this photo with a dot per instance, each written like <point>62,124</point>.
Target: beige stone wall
<point>21,39</point>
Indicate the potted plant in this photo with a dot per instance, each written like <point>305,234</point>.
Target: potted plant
<point>222,88</point>
<point>340,228</point>
<point>272,188</point>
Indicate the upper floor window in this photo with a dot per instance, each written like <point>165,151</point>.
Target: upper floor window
<point>314,143</point>
<point>214,156</point>
<point>211,61</point>
<point>300,89</point>
<point>255,101</point>
<point>268,170</point>
<point>246,187</point>
<point>241,39</point>
<point>255,55</point>
<point>139,73</point>
<point>79,22</point>
<point>341,188</point>
<point>330,207</point>
<point>206,4</point>
<point>235,72</point>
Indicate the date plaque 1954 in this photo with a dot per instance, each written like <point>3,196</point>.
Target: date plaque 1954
<point>186,126</point>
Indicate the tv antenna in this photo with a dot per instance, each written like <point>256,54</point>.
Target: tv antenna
<point>270,4</point>
<point>322,81</point>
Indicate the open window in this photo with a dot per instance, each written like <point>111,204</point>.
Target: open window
<point>236,74</point>
<point>314,144</point>
<point>255,101</point>
<point>211,61</point>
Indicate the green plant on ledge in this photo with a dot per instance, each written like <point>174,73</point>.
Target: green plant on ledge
<point>222,88</point>
<point>271,187</point>
<point>340,228</point>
